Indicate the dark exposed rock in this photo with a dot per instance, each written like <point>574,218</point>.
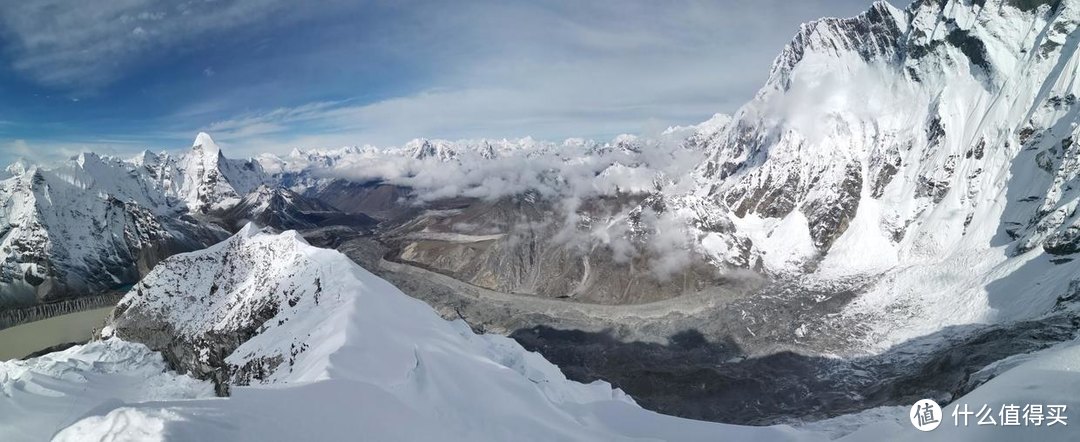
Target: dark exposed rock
<point>1031,5</point>
<point>886,166</point>
<point>1025,134</point>
<point>1063,242</point>
<point>971,46</point>
<point>935,131</point>
<point>829,218</point>
<point>694,378</point>
<point>379,200</point>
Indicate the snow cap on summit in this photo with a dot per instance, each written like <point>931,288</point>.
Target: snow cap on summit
<point>204,140</point>
<point>211,153</point>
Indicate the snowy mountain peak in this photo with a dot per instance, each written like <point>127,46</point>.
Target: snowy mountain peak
<point>423,148</point>
<point>265,308</point>
<point>18,167</point>
<point>87,157</point>
<point>213,182</point>
<point>206,151</point>
<point>204,142</point>
<point>146,158</point>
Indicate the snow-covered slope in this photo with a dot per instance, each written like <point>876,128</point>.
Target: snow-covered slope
<point>41,396</point>
<point>328,351</point>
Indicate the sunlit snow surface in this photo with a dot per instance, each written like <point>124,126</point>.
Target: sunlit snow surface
<point>40,396</point>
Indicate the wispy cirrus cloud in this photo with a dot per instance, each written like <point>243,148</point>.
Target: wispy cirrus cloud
<point>79,46</point>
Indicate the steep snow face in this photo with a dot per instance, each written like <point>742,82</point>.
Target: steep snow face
<point>924,110</point>
<point>932,144</point>
<point>270,309</point>
<point>212,182</point>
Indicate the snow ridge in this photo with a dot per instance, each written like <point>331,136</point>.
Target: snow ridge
<point>310,319</point>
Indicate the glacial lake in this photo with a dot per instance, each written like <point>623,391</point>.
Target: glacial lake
<point>22,340</point>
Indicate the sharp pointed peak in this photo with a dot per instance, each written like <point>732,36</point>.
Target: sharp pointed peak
<point>204,139</point>
<point>207,149</point>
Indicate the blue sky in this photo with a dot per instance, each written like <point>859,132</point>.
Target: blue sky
<point>118,76</point>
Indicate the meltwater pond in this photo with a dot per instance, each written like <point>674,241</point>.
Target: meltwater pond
<point>26,339</point>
